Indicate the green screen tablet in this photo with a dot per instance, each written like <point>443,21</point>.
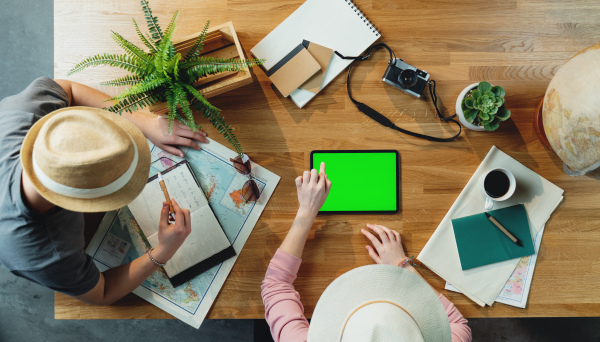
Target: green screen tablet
<point>363,181</point>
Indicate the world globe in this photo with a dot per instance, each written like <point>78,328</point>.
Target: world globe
<point>571,112</point>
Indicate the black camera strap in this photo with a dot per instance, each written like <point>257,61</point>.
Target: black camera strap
<point>375,115</point>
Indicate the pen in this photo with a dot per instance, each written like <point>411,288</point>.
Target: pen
<point>161,181</point>
<point>506,232</point>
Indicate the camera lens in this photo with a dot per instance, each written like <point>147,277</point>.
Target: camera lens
<point>407,78</point>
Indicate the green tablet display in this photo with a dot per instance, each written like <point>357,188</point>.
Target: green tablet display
<point>363,181</point>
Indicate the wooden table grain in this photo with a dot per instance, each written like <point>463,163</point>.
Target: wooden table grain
<point>518,44</point>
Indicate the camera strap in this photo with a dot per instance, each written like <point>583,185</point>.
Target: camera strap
<point>375,115</point>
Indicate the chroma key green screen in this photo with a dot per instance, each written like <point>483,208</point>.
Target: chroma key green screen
<point>362,181</point>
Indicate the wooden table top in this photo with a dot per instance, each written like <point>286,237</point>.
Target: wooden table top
<point>518,44</point>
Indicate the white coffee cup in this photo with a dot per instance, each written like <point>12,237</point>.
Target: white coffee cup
<point>497,189</point>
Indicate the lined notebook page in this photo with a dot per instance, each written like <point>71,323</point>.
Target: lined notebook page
<point>207,237</point>
<point>336,24</point>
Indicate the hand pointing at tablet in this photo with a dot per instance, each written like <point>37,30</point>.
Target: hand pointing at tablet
<point>313,188</point>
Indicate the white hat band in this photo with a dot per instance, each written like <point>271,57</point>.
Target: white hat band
<point>68,191</point>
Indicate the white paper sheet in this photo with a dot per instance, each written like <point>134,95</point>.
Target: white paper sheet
<point>440,254</point>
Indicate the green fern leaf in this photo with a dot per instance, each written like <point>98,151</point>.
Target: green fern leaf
<point>213,115</point>
<point>143,87</point>
<point>132,50</point>
<point>152,22</point>
<point>182,99</point>
<point>149,45</point>
<point>123,81</point>
<point>171,107</point>
<point>171,28</point>
<point>173,66</point>
<point>165,50</point>
<point>119,61</point>
<point>194,51</point>
<point>196,94</point>
<point>134,102</point>
<point>200,67</point>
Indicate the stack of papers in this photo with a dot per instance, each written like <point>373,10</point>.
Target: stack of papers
<point>516,290</point>
<point>440,254</point>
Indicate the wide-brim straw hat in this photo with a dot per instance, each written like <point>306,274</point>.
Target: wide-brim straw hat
<point>86,159</point>
<point>379,303</point>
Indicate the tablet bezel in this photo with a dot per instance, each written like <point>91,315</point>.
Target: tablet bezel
<point>363,211</point>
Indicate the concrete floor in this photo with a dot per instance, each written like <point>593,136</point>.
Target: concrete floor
<point>27,309</point>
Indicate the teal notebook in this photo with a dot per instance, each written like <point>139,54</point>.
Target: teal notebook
<point>480,242</point>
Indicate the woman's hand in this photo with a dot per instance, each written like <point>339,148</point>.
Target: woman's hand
<point>171,235</point>
<point>313,189</point>
<point>387,251</point>
<point>157,131</point>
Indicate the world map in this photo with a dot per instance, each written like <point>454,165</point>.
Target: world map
<point>513,289</point>
<point>222,185</point>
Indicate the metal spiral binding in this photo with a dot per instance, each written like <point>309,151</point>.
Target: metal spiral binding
<point>364,17</point>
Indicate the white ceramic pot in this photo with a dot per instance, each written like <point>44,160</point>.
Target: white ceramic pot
<point>459,111</point>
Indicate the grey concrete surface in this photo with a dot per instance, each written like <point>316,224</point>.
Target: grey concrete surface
<point>27,309</point>
<point>27,314</point>
<point>26,43</point>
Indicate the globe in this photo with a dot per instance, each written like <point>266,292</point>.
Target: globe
<point>571,112</point>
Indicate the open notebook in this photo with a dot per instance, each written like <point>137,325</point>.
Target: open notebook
<point>206,246</point>
<point>334,24</point>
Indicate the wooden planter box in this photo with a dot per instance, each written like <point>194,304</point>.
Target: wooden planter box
<point>221,42</point>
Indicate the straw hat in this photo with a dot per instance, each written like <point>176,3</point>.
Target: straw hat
<point>379,303</point>
<point>86,159</point>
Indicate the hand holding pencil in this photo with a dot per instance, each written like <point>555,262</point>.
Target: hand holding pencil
<point>173,228</point>
<point>161,181</point>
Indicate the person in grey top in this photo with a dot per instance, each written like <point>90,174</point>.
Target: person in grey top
<point>43,242</point>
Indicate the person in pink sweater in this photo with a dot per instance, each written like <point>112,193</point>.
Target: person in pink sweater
<point>388,301</point>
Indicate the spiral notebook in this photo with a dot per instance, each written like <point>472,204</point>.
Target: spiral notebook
<point>335,24</point>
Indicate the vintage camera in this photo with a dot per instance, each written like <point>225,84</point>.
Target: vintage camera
<point>406,77</point>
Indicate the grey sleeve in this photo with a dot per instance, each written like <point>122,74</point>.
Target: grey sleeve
<point>41,97</point>
<point>73,276</point>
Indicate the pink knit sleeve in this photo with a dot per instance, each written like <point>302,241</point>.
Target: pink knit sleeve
<point>458,324</point>
<point>283,310</point>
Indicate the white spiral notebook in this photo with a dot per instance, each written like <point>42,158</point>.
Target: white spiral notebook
<point>335,24</point>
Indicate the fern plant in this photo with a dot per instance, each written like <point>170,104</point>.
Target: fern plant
<point>161,74</point>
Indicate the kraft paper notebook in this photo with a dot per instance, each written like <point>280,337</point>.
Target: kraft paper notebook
<point>206,246</point>
<point>334,24</point>
<point>480,242</point>
<point>440,254</point>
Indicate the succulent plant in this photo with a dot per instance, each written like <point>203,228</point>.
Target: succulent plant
<point>485,106</point>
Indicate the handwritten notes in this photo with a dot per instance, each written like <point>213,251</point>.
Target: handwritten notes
<point>207,237</point>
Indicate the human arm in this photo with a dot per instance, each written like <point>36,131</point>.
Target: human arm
<point>154,128</point>
<point>458,324</point>
<point>313,189</point>
<point>387,249</point>
<point>283,309</point>
<point>117,282</point>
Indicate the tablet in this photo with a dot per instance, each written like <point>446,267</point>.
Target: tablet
<point>363,181</point>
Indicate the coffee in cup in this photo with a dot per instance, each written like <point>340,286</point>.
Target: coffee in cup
<point>497,185</point>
